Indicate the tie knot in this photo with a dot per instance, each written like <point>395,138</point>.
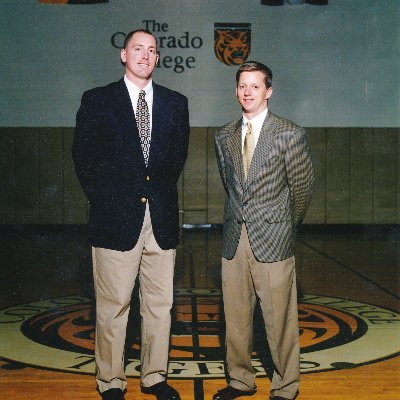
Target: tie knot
<point>249,128</point>
<point>142,94</point>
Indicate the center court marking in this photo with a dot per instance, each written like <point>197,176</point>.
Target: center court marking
<point>58,334</point>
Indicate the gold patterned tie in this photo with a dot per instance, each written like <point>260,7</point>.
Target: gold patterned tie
<point>143,124</point>
<point>248,148</point>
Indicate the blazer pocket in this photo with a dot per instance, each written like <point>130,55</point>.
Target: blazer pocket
<point>273,160</point>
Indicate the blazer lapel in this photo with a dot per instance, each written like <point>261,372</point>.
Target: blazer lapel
<point>262,149</point>
<point>160,120</point>
<point>129,134</point>
<point>234,144</point>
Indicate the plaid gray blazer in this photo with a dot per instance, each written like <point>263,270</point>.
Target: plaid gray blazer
<point>277,192</point>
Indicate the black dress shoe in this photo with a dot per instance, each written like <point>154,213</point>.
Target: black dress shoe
<point>162,391</point>
<point>113,394</point>
<point>229,393</point>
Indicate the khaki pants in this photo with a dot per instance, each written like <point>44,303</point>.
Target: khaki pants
<point>115,273</point>
<point>244,279</point>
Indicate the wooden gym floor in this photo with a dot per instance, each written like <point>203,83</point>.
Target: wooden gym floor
<point>349,305</point>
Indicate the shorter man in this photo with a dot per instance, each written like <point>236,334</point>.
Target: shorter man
<point>266,169</point>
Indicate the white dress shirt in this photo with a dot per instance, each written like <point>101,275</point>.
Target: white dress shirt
<point>256,123</point>
<point>134,96</point>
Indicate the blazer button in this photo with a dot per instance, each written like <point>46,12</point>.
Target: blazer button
<point>143,199</point>
<point>147,178</point>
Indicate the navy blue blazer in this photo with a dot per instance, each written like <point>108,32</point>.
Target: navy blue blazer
<point>111,169</point>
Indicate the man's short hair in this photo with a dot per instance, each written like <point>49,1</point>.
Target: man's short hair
<point>131,33</point>
<point>250,66</point>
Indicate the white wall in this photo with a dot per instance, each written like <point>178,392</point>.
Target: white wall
<point>335,65</point>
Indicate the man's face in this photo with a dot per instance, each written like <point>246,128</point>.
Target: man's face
<point>252,93</point>
<point>140,57</point>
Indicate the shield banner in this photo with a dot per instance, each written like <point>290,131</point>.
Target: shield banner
<point>232,42</point>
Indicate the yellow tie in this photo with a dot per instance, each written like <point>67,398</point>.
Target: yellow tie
<point>248,148</point>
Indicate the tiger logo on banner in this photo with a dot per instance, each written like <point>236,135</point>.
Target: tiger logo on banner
<point>232,42</point>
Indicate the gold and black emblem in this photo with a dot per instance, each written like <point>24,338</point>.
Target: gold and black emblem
<point>59,334</point>
<point>232,42</point>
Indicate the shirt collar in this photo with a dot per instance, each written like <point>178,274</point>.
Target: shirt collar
<point>132,88</point>
<point>258,120</point>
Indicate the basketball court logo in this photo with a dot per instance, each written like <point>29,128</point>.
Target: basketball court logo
<point>232,42</point>
<point>334,334</point>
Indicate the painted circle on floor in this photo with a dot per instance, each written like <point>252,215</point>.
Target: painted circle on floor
<point>334,334</point>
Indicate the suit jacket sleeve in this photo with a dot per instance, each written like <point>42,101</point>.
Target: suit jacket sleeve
<point>221,163</point>
<point>300,173</point>
<point>181,143</point>
<point>83,154</point>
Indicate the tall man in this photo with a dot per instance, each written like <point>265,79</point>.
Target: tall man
<point>266,169</point>
<point>131,142</point>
